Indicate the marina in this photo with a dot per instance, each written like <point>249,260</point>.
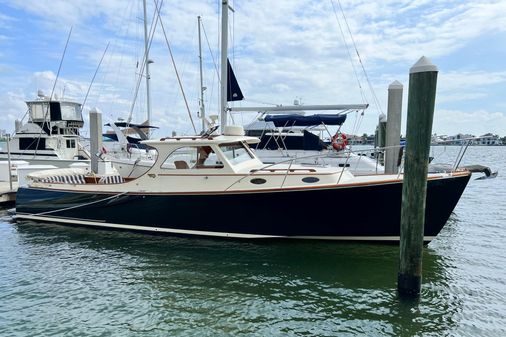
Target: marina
<point>269,220</point>
<point>52,279</point>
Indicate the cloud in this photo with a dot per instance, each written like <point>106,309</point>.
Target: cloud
<point>13,107</point>
<point>280,50</point>
<point>404,29</point>
<point>476,122</point>
<point>468,85</point>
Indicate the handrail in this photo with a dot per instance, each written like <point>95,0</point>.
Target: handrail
<point>457,163</point>
<point>290,160</point>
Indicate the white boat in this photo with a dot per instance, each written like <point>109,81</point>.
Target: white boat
<point>127,155</point>
<point>300,137</point>
<point>124,150</point>
<point>50,136</point>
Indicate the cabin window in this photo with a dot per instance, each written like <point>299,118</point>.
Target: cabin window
<point>32,143</point>
<point>70,112</point>
<point>71,143</point>
<point>39,111</point>
<point>192,157</point>
<point>55,111</point>
<point>236,153</point>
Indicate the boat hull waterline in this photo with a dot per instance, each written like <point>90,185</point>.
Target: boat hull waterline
<point>362,212</point>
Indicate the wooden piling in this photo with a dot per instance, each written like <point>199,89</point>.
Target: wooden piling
<point>379,138</point>
<point>421,100</point>
<point>95,137</point>
<point>393,132</point>
<point>9,160</point>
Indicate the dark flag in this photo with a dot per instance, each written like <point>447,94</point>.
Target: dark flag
<point>234,92</point>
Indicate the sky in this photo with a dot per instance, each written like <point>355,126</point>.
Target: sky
<point>281,51</point>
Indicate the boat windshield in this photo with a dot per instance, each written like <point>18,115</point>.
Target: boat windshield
<point>71,112</point>
<point>236,153</point>
<point>39,111</point>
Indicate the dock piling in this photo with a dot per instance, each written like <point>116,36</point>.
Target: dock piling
<point>95,137</point>
<point>421,100</point>
<point>9,160</point>
<point>393,132</point>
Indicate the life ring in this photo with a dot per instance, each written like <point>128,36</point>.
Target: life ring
<point>339,141</point>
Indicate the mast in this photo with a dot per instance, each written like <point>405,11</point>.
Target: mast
<point>224,51</point>
<point>147,61</point>
<point>202,108</point>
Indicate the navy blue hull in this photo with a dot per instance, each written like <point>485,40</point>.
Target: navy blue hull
<point>357,211</point>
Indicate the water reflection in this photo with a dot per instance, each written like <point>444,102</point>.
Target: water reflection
<point>160,284</point>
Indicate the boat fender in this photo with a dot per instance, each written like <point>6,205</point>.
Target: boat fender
<point>339,141</point>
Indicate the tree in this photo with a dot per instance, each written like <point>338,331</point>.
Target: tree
<point>364,138</point>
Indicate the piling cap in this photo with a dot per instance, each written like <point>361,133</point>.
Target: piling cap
<point>382,118</point>
<point>395,85</point>
<point>424,64</point>
<point>95,110</point>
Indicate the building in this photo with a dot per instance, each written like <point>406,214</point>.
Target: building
<point>488,139</point>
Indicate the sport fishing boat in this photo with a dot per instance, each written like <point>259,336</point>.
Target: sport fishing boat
<point>216,186</point>
<point>50,136</point>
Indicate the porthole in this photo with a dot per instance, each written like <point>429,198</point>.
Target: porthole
<point>310,180</point>
<point>258,181</point>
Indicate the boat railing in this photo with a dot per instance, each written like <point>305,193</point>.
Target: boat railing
<point>289,161</point>
<point>329,154</point>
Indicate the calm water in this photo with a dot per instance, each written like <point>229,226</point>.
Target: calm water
<point>68,281</point>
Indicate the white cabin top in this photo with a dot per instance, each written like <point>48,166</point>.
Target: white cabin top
<point>199,141</point>
<point>226,153</point>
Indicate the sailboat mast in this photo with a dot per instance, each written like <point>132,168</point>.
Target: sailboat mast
<point>224,51</point>
<point>202,108</point>
<point>147,61</point>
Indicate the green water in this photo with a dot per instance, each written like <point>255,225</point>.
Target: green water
<point>73,281</point>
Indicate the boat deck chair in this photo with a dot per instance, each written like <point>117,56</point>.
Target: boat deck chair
<point>181,165</point>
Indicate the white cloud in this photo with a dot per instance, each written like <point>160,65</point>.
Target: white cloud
<point>475,122</point>
<point>13,107</point>
<point>282,50</point>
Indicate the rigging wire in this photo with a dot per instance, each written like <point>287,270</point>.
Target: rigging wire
<point>94,75</point>
<point>232,34</point>
<point>348,52</point>
<point>118,49</point>
<point>210,51</point>
<point>359,116</point>
<point>152,29</point>
<point>216,73</point>
<point>59,69</point>
<point>375,98</point>
<point>175,68</point>
<point>52,92</point>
